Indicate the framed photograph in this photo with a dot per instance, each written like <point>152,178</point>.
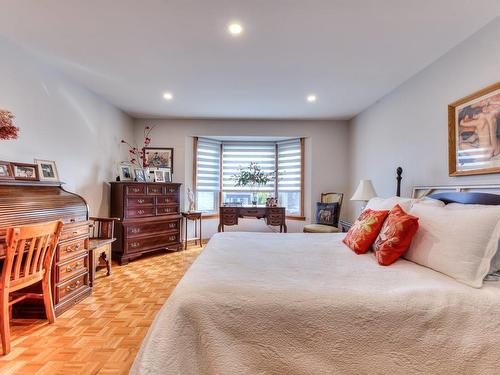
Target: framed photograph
<point>168,174</point>
<point>125,172</point>
<point>159,175</point>
<point>140,175</point>
<point>158,157</point>
<point>25,171</point>
<point>6,172</point>
<point>47,170</point>
<point>474,133</point>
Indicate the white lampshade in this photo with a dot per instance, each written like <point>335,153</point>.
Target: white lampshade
<point>364,192</point>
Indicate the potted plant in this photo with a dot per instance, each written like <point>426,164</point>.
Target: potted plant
<point>254,176</point>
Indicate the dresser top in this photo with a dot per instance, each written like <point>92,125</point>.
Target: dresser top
<point>144,183</point>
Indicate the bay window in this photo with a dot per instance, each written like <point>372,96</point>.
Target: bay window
<point>217,162</point>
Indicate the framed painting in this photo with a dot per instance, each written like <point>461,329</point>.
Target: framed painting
<point>474,133</point>
<point>159,157</point>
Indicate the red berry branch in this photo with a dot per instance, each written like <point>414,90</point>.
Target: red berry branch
<point>137,156</point>
<point>7,128</point>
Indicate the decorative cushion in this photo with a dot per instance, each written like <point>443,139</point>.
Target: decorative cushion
<point>326,213</point>
<point>365,230</point>
<point>395,236</point>
<point>458,243</point>
<point>319,228</point>
<point>378,203</point>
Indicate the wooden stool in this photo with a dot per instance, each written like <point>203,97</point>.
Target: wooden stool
<point>194,216</point>
<point>100,245</point>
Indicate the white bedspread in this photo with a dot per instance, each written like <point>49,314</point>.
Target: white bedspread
<point>258,303</point>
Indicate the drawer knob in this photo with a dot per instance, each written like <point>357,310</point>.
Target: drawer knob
<point>135,230</point>
<point>134,244</point>
<point>140,212</point>
<point>171,225</point>
<point>73,286</point>
<point>172,238</point>
<point>140,200</point>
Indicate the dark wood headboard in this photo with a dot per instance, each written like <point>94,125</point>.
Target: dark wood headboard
<point>467,198</point>
<point>465,194</point>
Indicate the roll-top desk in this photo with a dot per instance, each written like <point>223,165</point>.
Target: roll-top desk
<point>149,218</point>
<point>24,203</point>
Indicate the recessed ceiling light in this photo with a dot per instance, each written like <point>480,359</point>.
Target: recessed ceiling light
<point>168,96</point>
<point>235,28</point>
<point>311,98</point>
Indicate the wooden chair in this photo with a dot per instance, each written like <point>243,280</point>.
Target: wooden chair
<point>322,228</point>
<point>28,260</point>
<point>101,238</point>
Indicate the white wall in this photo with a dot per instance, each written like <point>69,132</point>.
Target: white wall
<point>61,121</point>
<point>409,127</point>
<point>326,156</point>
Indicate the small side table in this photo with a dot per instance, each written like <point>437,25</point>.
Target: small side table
<point>193,216</point>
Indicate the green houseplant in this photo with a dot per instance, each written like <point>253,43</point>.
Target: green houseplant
<point>253,175</point>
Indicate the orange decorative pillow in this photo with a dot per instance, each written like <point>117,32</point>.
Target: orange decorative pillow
<point>365,230</point>
<point>395,237</point>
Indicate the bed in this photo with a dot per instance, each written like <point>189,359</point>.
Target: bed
<point>259,303</point>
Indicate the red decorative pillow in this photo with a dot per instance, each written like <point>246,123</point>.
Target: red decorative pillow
<point>395,237</point>
<point>365,230</point>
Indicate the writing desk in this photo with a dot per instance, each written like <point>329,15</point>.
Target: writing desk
<point>275,216</point>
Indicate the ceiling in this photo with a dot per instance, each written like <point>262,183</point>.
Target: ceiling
<point>349,53</point>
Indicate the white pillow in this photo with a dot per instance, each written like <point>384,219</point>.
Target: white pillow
<point>495,263</point>
<point>378,203</point>
<point>458,243</point>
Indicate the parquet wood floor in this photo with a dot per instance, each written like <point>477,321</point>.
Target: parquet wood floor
<point>102,334</point>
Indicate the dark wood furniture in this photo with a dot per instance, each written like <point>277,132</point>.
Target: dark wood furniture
<point>196,217</point>
<point>149,218</point>
<point>275,216</point>
<point>26,203</point>
<point>28,258</point>
<point>101,238</point>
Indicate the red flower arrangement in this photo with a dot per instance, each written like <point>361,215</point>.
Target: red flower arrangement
<point>7,128</point>
<point>138,155</point>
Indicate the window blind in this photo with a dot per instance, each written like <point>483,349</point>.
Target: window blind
<point>236,155</point>
<point>289,165</point>
<point>208,165</point>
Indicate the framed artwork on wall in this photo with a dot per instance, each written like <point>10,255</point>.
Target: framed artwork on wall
<point>474,133</point>
<point>159,157</point>
<point>25,171</point>
<point>6,172</point>
<point>47,170</point>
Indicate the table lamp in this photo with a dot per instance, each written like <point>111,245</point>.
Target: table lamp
<point>364,192</point>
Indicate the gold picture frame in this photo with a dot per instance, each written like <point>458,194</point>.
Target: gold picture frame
<point>474,133</point>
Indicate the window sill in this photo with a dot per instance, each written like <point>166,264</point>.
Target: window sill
<point>297,218</point>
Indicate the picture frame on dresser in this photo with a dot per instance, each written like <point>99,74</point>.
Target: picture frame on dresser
<point>125,172</point>
<point>47,170</point>
<point>25,171</point>
<point>6,172</point>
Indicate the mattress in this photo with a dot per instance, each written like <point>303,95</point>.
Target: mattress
<point>266,303</point>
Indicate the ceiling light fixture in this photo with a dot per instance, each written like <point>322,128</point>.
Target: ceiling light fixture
<point>311,98</point>
<point>168,96</point>
<point>235,28</point>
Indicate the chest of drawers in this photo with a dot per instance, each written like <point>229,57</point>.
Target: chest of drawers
<point>149,215</point>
